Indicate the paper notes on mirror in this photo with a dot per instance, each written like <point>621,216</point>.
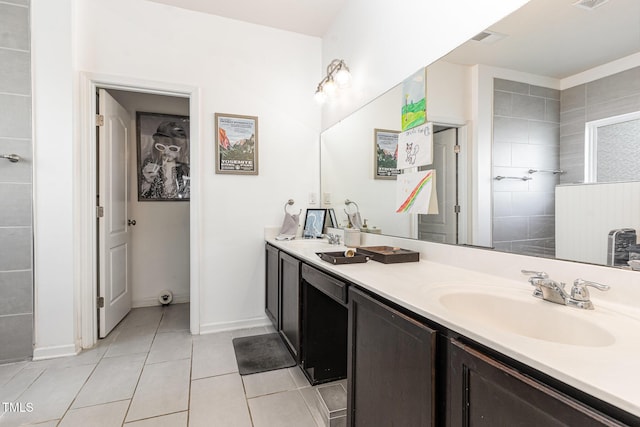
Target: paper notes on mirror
<point>414,99</point>
<point>416,193</point>
<point>415,147</point>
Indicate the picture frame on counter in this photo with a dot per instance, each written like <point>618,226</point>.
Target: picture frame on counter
<point>314,223</point>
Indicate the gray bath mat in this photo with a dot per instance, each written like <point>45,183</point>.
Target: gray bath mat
<point>261,353</point>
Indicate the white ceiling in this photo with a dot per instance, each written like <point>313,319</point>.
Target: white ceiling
<point>311,17</point>
<point>556,39</point>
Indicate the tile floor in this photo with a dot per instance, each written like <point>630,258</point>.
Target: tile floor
<point>150,371</point>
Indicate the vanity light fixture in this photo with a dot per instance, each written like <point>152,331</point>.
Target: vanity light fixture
<point>338,76</point>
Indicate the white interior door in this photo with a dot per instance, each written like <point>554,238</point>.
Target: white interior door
<point>442,227</point>
<point>114,267</point>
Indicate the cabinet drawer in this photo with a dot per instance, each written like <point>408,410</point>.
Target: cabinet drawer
<point>328,285</point>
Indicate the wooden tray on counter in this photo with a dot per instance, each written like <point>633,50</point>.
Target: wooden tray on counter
<point>339,258</point>
<point>389,254</point>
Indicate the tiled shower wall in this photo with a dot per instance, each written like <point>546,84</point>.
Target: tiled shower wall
<point>16,235</point>
<point>610,96</point>
<point>526,136</point>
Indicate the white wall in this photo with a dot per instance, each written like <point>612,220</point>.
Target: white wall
<point>448,88</point>
<point>241,69</point>
<point>53,110</point>
<point>384,42</point>
<point>160,238</point>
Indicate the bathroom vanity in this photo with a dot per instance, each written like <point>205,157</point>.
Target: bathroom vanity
<point>428,343</point>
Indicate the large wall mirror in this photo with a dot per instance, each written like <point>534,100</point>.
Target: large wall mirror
<point>536,138</point>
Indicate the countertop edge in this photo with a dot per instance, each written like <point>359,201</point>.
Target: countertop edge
<point>594,385</point>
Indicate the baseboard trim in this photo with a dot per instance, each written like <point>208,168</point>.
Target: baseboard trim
<point>150,302</point>
<point>44,353</point>
<point>211,328</point>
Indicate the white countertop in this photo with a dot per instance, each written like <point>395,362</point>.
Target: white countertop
<point>608,370</point>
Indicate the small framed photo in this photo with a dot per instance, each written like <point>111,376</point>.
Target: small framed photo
<point>314,223</point>
<point>163,157</point>
<point>236,144</point>
<point>385,159</point>
<point>333,221</point>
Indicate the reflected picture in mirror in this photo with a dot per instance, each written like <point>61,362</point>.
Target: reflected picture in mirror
<point>385,164</point>
<point>555,109</point>
<point>333,220</point>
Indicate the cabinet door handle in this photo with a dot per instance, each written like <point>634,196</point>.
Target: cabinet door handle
<point>131,222</point>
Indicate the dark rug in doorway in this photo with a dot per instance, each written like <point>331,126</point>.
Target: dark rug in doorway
<point>261,353</point>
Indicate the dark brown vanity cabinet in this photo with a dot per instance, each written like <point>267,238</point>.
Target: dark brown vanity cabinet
<point>391,366</point>
<point>309,308</point>
<point>272,285</point>
<point>289,268</point>
<point>404,370</point>
<point>486,392</point>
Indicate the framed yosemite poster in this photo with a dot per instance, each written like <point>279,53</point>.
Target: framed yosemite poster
<point>236,144</point>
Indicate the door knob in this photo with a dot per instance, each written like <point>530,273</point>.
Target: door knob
<point>131,222</point>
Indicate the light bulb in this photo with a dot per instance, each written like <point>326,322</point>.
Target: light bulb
<point>329,87</point>
<point>320,96</point>
<point>343,78</point>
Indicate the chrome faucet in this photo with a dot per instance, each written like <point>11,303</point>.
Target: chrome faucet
<point>536,278</point>
<point>580,294</point>
<point>550,290</point>
<point>334,239</point>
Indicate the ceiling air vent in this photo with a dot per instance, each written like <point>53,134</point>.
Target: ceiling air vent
<point>488,37</point>
<point>589,4</point>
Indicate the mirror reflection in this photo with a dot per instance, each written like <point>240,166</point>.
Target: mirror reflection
<point>536,138</point>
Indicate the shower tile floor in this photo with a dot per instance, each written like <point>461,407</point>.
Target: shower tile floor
<point>150,371</point>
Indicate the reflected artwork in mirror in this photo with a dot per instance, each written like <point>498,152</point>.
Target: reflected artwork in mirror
<point>535,137</point>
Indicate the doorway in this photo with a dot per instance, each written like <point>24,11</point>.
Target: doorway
<point>446,226</point>
<point>143,243</point>
<point>86,257</point>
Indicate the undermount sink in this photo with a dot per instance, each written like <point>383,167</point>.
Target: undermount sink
<point>526,318</point>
